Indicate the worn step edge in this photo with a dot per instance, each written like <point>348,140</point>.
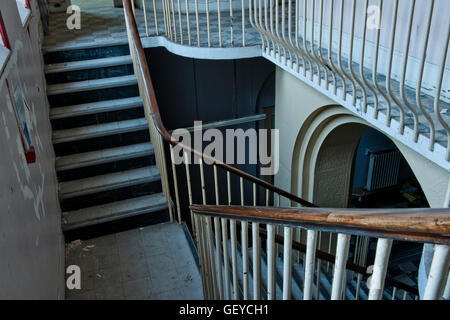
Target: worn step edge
<point>81,160</point>
<point>99,130</point>
<point>90,85</point>
<point>94,108</point>
<point>113,211</point>
<point>107,182</point>
<point>88,64</point>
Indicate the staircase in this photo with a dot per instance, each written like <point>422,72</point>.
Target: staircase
<point>105,162</point>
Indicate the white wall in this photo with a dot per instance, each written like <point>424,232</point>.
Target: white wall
<point>31,241</point>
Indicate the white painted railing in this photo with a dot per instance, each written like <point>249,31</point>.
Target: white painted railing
<point>345,281</point>
<point>399,78</point>
<point>235,265</point>
<point>393,71</point>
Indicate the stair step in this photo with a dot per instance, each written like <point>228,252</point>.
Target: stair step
<point>94,107</point>
<point>111,181</point>
<point>86,159</point>
<point>90,85</point>
<point>99,130</point>
<point>113,211</point>
<point>87,64</point>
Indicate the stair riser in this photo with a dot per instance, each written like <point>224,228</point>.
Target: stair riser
<point>105,142</point>
<point>68,99</point>
<point>98,118</point>
<point>89,74</point>
<point>104,197</point>
<point>117,226</point>
<point>105,168</point>
<point>86,54</point>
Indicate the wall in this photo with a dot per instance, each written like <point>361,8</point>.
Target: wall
<point>31,241</point>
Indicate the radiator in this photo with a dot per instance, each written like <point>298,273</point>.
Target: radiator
<point>383,170</point>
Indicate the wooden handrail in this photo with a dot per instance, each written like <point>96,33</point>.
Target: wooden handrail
<point>418,224</point>
<point>156,116</point>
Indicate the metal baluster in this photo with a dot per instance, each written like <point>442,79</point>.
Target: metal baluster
<point>243,23</point>
<point>438,273</point>
<point>207,23</point>
<point>198,25</point>
<point>180,20</point>
<point>319,266</point>
<point>226,259</point>
<point>389,74</point>
<point>403,79</point>
<point>256,243</point>
<point>244,246</point>
<point>311,244</point>
<point>437,97</point>
<point>375,67</point>
<point>145,17</point>
<point>363,53</point>
<point>217,233</point>
<point>287,263</point>
<point>156,17</point>
<point>219,22</point>
<point>420,78</point>
<point>175,183</point>
<point>188,22</point>
<point>271,275</point>
<point>379,269</point>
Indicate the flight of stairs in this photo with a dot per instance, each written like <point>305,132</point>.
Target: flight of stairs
<point>108,181</point>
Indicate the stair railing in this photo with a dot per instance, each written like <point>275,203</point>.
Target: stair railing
<point>354,54</point>
<point>418,225</point>
<point>218,285</point>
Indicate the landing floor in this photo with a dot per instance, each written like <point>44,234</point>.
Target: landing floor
<point>153,262</point>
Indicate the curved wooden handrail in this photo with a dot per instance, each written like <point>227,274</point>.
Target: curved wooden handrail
<point>421,224</point>
<point>156,116</point>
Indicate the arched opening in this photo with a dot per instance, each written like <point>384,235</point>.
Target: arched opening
<point>340,161</point>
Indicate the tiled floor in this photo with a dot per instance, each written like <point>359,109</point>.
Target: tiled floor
<point>154,262</point>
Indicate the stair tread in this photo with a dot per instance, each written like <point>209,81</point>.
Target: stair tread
<point>87,64</point>
<point>98,130</point>
<point>113,211</point>
<point>107,182</point>
<point>80,160</point>
<point>94,107</point>
<point>89,85</point>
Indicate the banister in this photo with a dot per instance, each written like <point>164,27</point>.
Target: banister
<point>156,116</point>
<point>422,225</point>
<point>418,224</point>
